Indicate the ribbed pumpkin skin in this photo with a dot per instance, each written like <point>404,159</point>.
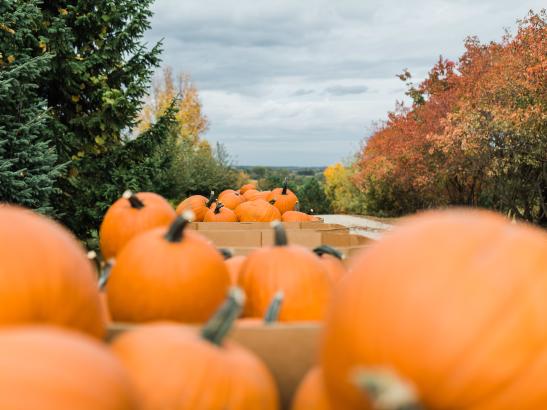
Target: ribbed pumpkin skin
<point>234,266</point>
<point>453,301</point>
<point>334,266</point>
<point>296,216</point>
<point>283,202</point>
<point>154,279</point>
<point>224,215</point>
<point>47,368</point>
<point>45,276</point>
<point>173,368</point>
<point>311,394</point>
<point>252,194</point>
<point>247,187</point>
<point>257,211</point>
<point>195,203</point>
<point>122,222</point>
<point>292,269</point>
<point>231,199</point>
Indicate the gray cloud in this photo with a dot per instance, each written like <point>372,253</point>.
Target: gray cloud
<point>303,80</point>
<point>346,89</point>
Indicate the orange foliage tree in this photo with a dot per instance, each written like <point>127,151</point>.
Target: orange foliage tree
<point>475,133</point>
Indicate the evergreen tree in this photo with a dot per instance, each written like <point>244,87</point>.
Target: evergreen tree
<point>28,169</point>
<point>99,75</point>
<point>311,196</point>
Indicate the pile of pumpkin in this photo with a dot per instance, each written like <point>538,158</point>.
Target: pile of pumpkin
<point>446,311</point>
<point>246,205</point>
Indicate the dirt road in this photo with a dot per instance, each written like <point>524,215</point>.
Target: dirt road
<point>358,224</point>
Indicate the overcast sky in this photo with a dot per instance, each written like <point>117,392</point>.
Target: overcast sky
<point>301,82</point>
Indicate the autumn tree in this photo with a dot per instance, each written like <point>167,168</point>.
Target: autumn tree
<point>191,165</point>
<point>475,133</point>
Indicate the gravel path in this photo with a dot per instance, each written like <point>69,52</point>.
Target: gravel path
<point>358,224</point>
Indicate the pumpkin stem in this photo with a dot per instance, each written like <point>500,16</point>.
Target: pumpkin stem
<point>105,274</point>
<point>176,230</point>
<point>285,186</point>
<point>280,235</point>
<point>386,390</point>
<point>218,207</point>
<point>226,253</point>
<point>272,314</point>
<point>135,202</point>
<point>211,199</point>
<point>328,250</point>
<point>216,329</point>
<point>272,201</point>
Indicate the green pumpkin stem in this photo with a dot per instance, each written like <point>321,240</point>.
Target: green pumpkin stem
<point>135,202</point>
<point>272,314</point>
<point>280,235</point>
<point>219,206</point>
<point>328,250</point>
<point>218,327</point>
<point>175,232</point>
<point>226,253</point>
<point>211,199</point>
<point>386,390</point>
<point>285,186</point>
<point>105,274</point>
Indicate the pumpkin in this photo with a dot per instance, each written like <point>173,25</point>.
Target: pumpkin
<point>296,216</point>
<point>167,273</point>
<point>252,194</point>
<point>247,187</point>
<point>49,368</point>
<point>220,214</point>
<point>129,216</point>
<point>231,199</point>
<point>283,198</point>
<point>311,392</point>
<point>198,204</point>
<point>451,301</point>
<point>257,211</point>
<point>234,266</point>
<point>175,367</point>
<point>45,275</point>
<point>332,261</point>
<point>292,269</point>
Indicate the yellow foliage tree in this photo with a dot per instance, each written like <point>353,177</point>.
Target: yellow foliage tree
<point>192,123</point>
<point>339,188</point>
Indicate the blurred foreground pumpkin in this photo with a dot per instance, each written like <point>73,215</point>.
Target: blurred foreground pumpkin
<point>179,368</point>
<point>45,275</point>
<point>47,368</point>
<point>452,302</point>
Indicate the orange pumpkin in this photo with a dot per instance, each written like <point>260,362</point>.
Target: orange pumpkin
<point>231,199</point>
<point>311,392</point>
<point>332,261</point>
<point>220,214</point>
<point>247,187</point>
<point>49,368</point>
<point>45,275</point>
<point>283,198</point>
<point>234,266</point>
<point>257,211</point>
<point>129,216</point>
<point>198,204</point>
<point>296,216</point>
<point>167,273</point>
<point>177,368</point>
<point>451,301</point>
<point>251,195</point>
<point>292,269</point>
